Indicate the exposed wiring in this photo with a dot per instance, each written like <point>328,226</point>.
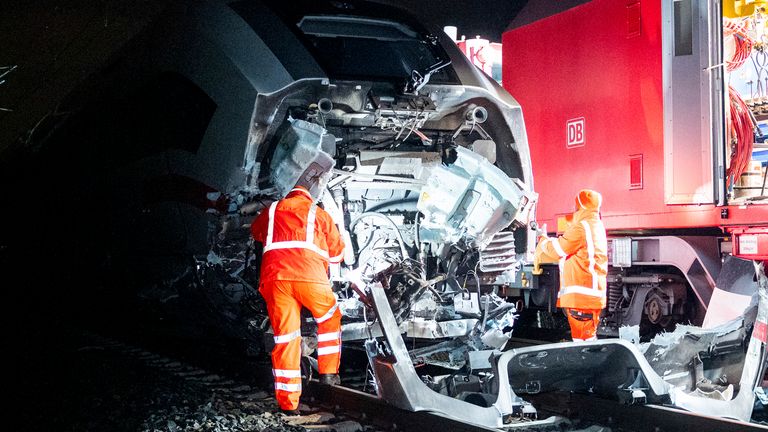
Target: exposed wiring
<point>401,123</point>
<point>477,282</point>
<point>368,325</point>
<point>411,122</point>
<point>414,122</point>
<point>389,222</point>
<point>424,139</point>
<point>743,43</point>
<point>741,127</point>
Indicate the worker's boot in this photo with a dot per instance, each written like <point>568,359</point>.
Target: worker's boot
<point>330,379</point>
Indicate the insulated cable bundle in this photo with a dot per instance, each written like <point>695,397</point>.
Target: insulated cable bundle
<point>742,41</point>
<point>741,127</point>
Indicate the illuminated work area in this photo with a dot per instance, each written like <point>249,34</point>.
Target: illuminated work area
<point>377,215</point>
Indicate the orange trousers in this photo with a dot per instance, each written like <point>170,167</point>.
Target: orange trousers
<point>284,302</point>
<point>583,323</point>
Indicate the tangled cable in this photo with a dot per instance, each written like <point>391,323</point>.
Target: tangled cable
<point>743,43</point>
<point>741,135</point>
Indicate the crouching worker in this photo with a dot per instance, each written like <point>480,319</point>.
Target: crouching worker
<point>299,241</point>
<point>581,255</point>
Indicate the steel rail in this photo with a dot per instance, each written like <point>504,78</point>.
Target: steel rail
<point>372,409</point>
<point>578,408</point>
<point>636,418</point>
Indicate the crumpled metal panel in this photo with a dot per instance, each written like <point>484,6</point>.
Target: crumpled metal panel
<point>739,407</point>
<point>400,385</point>
<point>301,147</point>
<point>431,329</point>
<point>422,329</point>
<point>609,368</point>
<point>472,200</point>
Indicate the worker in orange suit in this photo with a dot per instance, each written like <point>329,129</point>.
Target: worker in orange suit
<point>582,256</point>
<point>300,239</point>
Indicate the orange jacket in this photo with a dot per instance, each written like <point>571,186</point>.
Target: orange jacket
<point>292,252</point>
<point>582,254</point>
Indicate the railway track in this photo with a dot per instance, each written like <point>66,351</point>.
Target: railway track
<point>584,414</point>
<point>338,408</point>
<point>351,410</point>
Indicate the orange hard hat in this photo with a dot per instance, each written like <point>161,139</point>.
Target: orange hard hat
<point>588,199</point>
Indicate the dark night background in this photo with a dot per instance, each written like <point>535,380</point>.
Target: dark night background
<point>56,263</point>
<point>56,45</point>
<point>486,18</point>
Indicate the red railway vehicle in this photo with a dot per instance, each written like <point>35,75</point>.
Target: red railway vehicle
<point>662,106</point>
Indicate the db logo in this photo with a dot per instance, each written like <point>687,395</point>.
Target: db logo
<point>574,129</point>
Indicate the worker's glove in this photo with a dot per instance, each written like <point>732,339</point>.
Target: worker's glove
<point>539,256</point>
<point>355,277</point>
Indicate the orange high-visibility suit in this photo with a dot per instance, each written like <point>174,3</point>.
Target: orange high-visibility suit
<point>582,256</point>
<point>299,239</point>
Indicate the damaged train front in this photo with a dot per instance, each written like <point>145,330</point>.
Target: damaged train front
<point>430,212</point>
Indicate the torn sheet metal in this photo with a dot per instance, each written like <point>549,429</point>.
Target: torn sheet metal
<point>498,330</point>
<point>609,368</point>
<point>450,354</point>
<point>740,406</point>
<point>421,329</point>
<point>400,385</point>
<point>630,334</point>
<point>669,370</point>
<point>701,364</point>
<point>359,331</point>
<point>471,199</point>
<point>481,360</point>
<point>430,329</point>
<point>304,149</point>
<point>729,306</point>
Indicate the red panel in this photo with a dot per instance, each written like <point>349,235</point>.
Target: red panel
<point>760,332</point>
<point>582,63</point>
<point>750,243</point>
